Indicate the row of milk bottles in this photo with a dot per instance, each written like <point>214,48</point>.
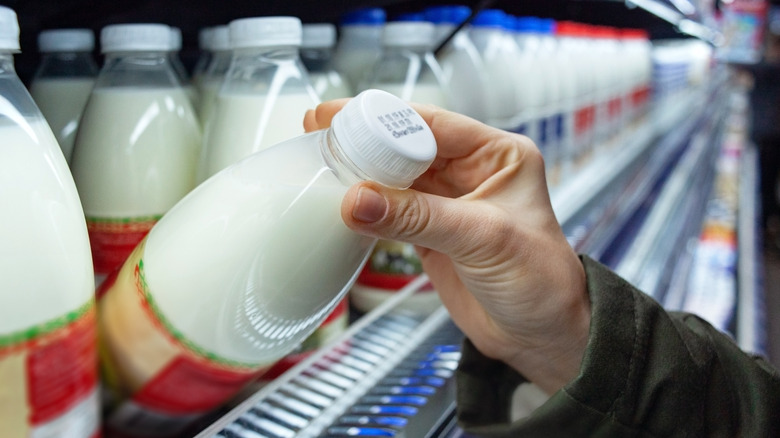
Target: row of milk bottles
<point>207,288</point>
<point>571,87</point>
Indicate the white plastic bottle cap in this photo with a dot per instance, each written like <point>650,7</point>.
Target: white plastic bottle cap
<point>409,34</point>
<point>66,40</point>
<point>318,36</point>
<point>9,29</point>
<point>385,138</point>
<point>265,32</point>
<point>175,39</point>
<point>135,38</point>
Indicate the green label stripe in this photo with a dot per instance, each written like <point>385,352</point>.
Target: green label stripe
<point>179,336</point>
<point>124,220</point>
<point>40,330</point>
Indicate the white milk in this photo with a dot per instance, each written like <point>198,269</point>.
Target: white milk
<point>208,90</point>
<point>255,310</point>
<point>143,161</point>
<point>243,124</point>
<point>45,248</point>
<point>47,308</point>
<point>429,93</point>
<point>61,100</point>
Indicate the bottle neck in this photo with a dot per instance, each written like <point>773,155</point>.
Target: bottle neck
<point>67,64</point>
<point>333,154</point>
<point>147,69</point>
<point>316,59</point>
<point>7,63</point>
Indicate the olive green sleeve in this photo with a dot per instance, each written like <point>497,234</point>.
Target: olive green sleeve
<point>646,372</point>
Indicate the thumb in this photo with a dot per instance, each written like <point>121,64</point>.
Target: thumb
<point>446,225</point>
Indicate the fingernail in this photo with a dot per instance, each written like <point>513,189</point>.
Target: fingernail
<point>370,206</point>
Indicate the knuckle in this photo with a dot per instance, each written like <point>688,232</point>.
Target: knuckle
<point>411,217</point>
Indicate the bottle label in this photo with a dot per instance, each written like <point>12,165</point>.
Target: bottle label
<point>521,129</point>
<point>112,240</point>
<point>542,138</point>
<point>559,126</point>
<point>614,108</point>
<point>48,378</point>
<point>160,381</point>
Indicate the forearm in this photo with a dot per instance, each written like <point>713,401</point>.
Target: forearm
<point>644,371</point>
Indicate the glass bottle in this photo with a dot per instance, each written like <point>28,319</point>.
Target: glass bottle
<point>359,44</point>
<point>407,67</point>
<point>138,143</point>
<point>63,81</point>
<point>317,45</point>
<point>264,96</point>
<point>214,74</point>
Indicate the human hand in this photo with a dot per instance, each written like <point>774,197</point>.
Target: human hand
<point>485,231</point>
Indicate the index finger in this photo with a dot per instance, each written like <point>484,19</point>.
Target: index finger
<point>469,152</point>
<point>456,134</point>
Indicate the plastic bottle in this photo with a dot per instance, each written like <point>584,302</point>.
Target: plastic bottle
<point>248,264</point>
<point>63,81</point>
<point>638,49</point>
<point>264,96</point>
<point>359,45</point>
<point>138,143</point>
<point>568,80</point>
<point>407,67</point>
<point>461,65</point>
<point>500,57</point>
<point>179,68</point>
<point>533,81</point>
<point>214,75</point>
<point>557,86</point>
<point>317,47</point>
<point>48,355</point>
<point>573,45</point>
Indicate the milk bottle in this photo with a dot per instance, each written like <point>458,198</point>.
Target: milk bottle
<point>138,144</point>
<point>500,57</point>
<point>557,89</point>
<point>566,66</point>
<point>63,81</point>
<point>461,65</point>
<point>360,43</point>
<point>532,81</point>
<point>407,67</point>
<point>316,53</point>
<point>48,357</point>
<point>178,66</point>
<point>206,53</point>
<point>247,265</point>
<point>264,96</point>
<point>212,78</point>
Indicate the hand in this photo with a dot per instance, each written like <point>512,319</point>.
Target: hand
<point>484,228</point>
